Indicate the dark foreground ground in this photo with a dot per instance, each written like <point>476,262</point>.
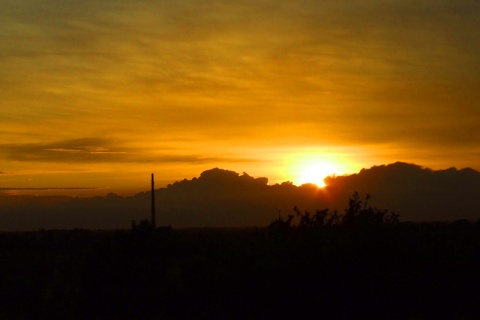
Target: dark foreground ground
<point>404,271</point>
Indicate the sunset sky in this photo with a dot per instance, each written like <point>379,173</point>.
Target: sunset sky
<point>99,94</point>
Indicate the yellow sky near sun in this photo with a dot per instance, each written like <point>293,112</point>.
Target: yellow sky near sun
<point>177,87</point>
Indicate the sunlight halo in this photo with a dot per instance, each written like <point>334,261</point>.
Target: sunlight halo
<point>314,169</point>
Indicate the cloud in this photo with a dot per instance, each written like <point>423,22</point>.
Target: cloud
<point>415,192</point>
<point>47,189</point>
<point>220,197</point>
<point>76,150</point>
<point>96,150</point>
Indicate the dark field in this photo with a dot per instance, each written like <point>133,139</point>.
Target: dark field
<point>401,271</point>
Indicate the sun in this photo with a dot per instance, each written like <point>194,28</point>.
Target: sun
<point>315,173</point>
<point>314,168</point>
<point>312,165</point>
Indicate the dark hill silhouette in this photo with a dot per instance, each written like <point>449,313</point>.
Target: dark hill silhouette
<point>221,198</point>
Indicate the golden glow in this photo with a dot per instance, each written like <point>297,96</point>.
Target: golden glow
<point>198,85</point>
<point>314,168</point>
<point>315,173</point>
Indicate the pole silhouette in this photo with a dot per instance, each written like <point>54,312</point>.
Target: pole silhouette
<point>153,202</point>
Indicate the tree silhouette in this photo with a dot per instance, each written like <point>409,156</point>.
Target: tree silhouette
<point>358,214</point>
<point>280,225</point>
<point>365,216</point>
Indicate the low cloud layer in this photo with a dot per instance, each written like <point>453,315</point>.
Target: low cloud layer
<point>222,198</point>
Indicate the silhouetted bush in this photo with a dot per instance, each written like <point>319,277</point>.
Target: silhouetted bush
<point>358,215</point>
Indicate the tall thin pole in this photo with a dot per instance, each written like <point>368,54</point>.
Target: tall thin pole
<point>153,202</point>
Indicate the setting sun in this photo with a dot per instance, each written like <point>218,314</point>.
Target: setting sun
<point>311,168</point>
<point>315,173</point>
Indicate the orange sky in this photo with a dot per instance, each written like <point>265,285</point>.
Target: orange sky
<point>102,93</point>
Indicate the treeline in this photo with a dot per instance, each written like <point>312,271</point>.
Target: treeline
<point>360,263</point>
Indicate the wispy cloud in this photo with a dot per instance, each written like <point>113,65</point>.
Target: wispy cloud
<point>95,150</point>
<point>47,189</point>
<point>76,150</point>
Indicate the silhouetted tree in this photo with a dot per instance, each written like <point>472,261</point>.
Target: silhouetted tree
<point>321,218</point>
<point>281,225</point>
<point>358,214</point>
<point>365,216</point>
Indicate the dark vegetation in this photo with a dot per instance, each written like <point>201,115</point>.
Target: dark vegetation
<point>361,263</point>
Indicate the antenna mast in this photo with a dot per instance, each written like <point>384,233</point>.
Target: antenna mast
<point>153,203</point>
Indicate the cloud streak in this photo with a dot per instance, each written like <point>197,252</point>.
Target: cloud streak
<point>95,150</point>
<point>47,189</point>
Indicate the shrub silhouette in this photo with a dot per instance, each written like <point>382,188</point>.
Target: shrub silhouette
<point>358,214</point>
<point>321,219</point>
<point>280,225</point>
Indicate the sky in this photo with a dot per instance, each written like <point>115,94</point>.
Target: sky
<point>96,95</point>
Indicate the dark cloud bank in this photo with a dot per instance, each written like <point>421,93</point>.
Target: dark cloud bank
<point>220,198</point>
